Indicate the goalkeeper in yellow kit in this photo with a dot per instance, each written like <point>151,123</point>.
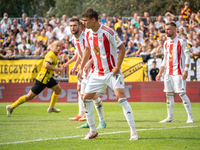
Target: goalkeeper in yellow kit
<point>43,79</point>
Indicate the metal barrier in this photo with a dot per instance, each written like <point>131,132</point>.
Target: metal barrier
<point>123,18</point>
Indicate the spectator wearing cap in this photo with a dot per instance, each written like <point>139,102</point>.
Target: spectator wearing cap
<point>36,24</point>
<point>23,21</point>
<point>197,17</point>
<point>53,20</point>
<point>4,25</point>
<point>134,18</point>
<point>137,23</point>
<point>64,21</point>
<point>104,19</point>
<point>115,20</point>
<point>178,23</point>
<point>35,17</point>
<point>15,22</point>
<point>186,12</point>
<point>6,15</point>
<point>158,24</point>
<point>128,24</point>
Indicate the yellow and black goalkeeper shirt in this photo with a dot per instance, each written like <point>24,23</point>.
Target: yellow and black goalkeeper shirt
<point>45,75</point>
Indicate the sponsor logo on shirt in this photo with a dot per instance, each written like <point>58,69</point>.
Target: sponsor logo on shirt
<point>50,59</point>
<point>100,39</point>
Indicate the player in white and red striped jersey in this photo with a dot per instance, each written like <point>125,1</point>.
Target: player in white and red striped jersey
<point>79,43</point>
<point>102,43</point>
<point>176,65</point>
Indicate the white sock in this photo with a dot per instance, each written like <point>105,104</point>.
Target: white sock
<point>186,103</point>
<point>99,108</point>
<point>89,111</point>
<point>170,104</point>
<point>128,114</point>
<point>80,105</point>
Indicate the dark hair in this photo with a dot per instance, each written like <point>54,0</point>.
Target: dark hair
<point>91,13</point>
<point>171,24</point>
<point>154,61</point>
<point>74,19</point>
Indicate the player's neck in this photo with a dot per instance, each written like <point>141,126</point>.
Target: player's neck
<point>96,27</point>
<point>173,37</point>
<point>77,35</point>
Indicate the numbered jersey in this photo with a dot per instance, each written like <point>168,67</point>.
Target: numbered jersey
<point>174,53</point>
<point>103,45</point>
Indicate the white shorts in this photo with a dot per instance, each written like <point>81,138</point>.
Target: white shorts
<point>83,84</point>
<point>174,83</point>
<point>98,84</point>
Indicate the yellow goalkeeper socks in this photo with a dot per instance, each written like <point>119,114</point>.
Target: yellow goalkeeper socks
<point>18,102</point>
<point>54,98</point>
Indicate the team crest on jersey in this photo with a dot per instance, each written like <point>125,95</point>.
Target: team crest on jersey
<point>90,38</point>
<point>81,44</point>
<point>50,59</point>
<point>100,39</point>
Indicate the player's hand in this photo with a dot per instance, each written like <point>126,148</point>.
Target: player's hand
<point>64,65</point>
<point>185,75</point>
<point>116,71</point>
<point>79,75</point>
<point>158,77</point>
<point>87,67</point>
<point>73,71</point>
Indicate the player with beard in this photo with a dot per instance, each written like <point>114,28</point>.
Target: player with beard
<point>176,65</point>
<point>79,43</point>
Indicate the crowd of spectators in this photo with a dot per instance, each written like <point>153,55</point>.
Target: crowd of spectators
<point>141,35</point>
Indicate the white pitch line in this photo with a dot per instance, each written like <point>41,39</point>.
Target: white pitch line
<point>76,136</point>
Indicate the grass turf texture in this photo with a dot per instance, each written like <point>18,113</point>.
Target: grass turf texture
<point>31,121</point>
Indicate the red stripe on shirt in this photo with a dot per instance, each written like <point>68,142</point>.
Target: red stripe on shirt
<point>107,49</point>
<point>171,58</point>
<point>79,48</point>
<point>98,54</point>
<point>108,30</point>
<point>179,57</point>
<point>84,43</point>
<point>87,37</point>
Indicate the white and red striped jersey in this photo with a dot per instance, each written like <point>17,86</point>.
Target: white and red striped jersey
<point>103,46</point>
<point>175,52</point>
<point>79,44</point>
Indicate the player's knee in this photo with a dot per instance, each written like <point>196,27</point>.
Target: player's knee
<point>121,100</point>
<point>58,91</point>
<point>169,94</point>
<point>182,95</point>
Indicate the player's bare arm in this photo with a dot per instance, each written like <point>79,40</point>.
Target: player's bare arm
<point>88,65</point>
<point>70,61</point>
<point>86,56</point>
<point>162,69</point>
<point>78,61</point>
<point>49,67</point>
<point>121,55</point>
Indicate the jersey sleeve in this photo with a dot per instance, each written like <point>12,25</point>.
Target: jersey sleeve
<point>49,58</point>
<point>115,40</point>
<point>86,38</point>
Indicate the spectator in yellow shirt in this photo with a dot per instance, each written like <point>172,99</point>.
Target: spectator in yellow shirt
<point>43,38</point>
<point>197,17</point>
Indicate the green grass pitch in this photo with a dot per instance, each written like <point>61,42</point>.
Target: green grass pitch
<point>31,128</point>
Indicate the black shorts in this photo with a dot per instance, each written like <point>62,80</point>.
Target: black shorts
<point>39,86</point>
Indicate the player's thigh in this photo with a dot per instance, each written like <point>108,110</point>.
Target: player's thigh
<point>79,85</point>
<point>38,87</point>
<point>168,84</point>
<point>96,84</point>
<point>30,95</point>
<point>52,84</point>
<point>179,84</point>
<point>115,82</point>
<point>83,86</point>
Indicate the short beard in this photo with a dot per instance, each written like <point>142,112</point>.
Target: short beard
<point>76,32</point>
